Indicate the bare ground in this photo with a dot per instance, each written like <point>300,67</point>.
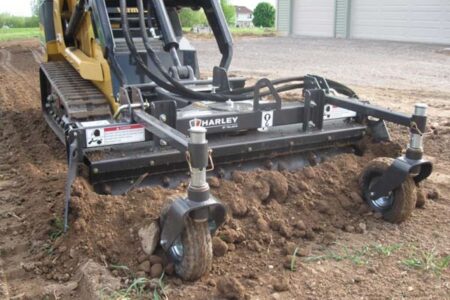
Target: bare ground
<point>345,250</point>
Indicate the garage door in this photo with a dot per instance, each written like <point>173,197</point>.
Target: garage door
<point>313,17</point>
<point>402,20</point>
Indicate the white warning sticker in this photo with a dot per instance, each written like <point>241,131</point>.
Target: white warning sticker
<point>121,134</point>
<point>267,119</point>
<point>334,112</point>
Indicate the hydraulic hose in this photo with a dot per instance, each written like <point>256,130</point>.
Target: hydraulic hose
<point>281,89</point>
<point>274,82</point>
<point>174,86</point>
<point>75,19</point>
<point>342,89</point>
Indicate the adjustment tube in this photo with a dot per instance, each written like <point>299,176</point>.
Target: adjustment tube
<point>198,153</point>
<point>417,130</point>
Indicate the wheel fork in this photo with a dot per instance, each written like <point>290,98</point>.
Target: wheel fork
<point>199,204</point>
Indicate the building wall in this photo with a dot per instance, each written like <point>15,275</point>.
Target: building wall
<point>284,16</point>
<point>397,20</point>
<point>313,18</point>
<point>342,18</point>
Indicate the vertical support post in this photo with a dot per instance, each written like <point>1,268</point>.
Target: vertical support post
<point>307,111</point>
<point>198,157</point>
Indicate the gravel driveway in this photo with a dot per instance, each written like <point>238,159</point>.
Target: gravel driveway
<point>354,62</point>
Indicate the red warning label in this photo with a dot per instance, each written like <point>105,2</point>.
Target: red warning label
<point>114,135</point>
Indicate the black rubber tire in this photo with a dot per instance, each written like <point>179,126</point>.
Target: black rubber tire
<point>197,251</point>
<point>404,197</point>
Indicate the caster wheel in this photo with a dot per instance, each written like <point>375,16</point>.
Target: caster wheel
<point>192,252</point>
<point>399,204</point>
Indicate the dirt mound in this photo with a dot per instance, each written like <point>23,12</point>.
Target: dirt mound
<point>266,210</point>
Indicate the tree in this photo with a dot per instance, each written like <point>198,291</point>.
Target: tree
<point>264,15</point>
<point>190,18</point>
<point>35,4</point>
<point>229,11</point>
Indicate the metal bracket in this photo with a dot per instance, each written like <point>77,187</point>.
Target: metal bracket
<point>220,79</point>
<point>397,173</point>
<point>257,106</point>
<point>73,157</point>
<point>379,130</point>
<point>127,106</point>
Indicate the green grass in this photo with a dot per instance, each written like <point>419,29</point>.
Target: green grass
<point>359,256</point>
<point>18,33</point>
<point>411,256</point>
<point>428,261</point>
<point>57,228</point>
<point>137,289</point>
<point>294,260</point>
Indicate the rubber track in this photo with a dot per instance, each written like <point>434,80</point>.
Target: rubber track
<point>81,99</point>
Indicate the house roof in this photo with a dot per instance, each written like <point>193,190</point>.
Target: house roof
<point>243,10</point>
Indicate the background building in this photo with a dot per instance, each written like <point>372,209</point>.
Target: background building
<point>396,20</point>
<point>244,16</point>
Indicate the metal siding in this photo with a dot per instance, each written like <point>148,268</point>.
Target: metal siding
<point>402,20</point>
<point>313,17</point>
<point>342,17</point>
<point>284,16</point>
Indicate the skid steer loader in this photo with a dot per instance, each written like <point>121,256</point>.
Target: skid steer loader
<point>120,88</point>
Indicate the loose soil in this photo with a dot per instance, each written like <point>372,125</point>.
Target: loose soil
<point>289,235</point>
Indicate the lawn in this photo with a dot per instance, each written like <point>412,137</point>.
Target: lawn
<point>18,33</point>
<point>239,32</point>
<point>255,31</point>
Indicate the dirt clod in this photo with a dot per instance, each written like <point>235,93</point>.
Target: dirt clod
<point>281,285</point>
<point>144,266</point>
<point>362,228</point>
<point>237,177</point>
<point>309,173</point>
<point>220,248</point>
<point>433,194</point>
<point>156,271</point>
<point>169,269</point>
<point>262,225</point>
<point>214,182</point>
<point>155,259</point>
<point>238,207</point>
<point>94,280</point>
<point>262,190</point>
<point>349,228</point>
<point>149,235</point>
<point>303,186</point>
<point>356,197</point>
<point>230,288</point>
